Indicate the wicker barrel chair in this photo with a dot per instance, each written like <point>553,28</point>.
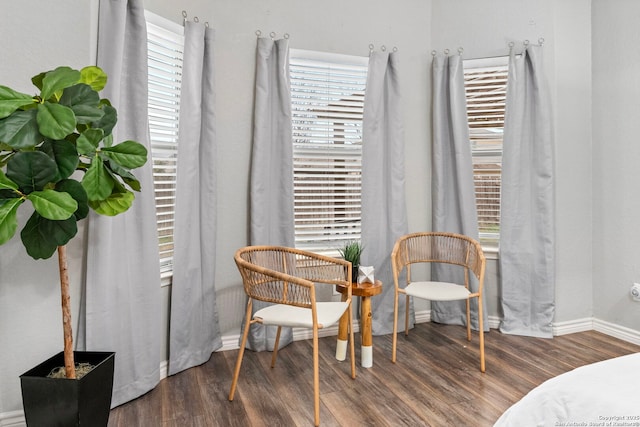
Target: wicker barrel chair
<point>445,248</point>
<point>287,278</point>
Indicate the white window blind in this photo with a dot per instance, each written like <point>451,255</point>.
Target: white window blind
<point>485,84</point>
<point>327,98</point>
<point>165,48</point>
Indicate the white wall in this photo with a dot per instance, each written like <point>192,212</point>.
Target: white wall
<point>574,195</point>
<point>616,160</point>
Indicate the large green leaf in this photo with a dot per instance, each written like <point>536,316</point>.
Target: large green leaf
<point>10,100</point>
<point>75,190</point>
<point>129,154</point>
<point>6,183</point>
<point>107,121</point>
<point>87,114</point>
<point>8,218</point>
<point>126,175</point>
<point>37,80</point>
<point>89,140</point>
<point>20,130</point>
<point>41,236</point>
<point>80,94</point>
<point>94,77</point>
<point>31,170</point>
<point>55,121</point>
<point>64,154</point>
<point>133,183</point>
<point>97,181</point>
<point>115,204</point>
<point>52,204</point>
<point>84,101</point>
<point>58,80</point>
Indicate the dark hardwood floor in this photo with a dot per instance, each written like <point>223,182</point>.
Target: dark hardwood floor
<point>435,382</point>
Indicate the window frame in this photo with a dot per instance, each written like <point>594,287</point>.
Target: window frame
<point>485,90</point>
<point>327,150</point>
<point>165,47</point>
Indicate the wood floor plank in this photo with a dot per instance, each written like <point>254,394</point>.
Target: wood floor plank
<point>435,382</point>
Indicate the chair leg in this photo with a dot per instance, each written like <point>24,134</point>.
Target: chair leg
<point>316,379</point>
<point>276,345</point>
<point>468,321</point>
<point>245,334</point>
<point>481,327</point>
<point>353,347</point>
<point>394,337</point>
<point>406,315</point>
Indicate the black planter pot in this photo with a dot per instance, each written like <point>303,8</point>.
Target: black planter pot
<point>65,402</point>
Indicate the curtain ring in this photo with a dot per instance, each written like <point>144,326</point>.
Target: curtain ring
<point>541,41</point>
<point>446,51</point>
<point>258,33</point>
<point>434,53</point>
<point>460,50</point>
<point>272,34</point>
<point>286,36</point>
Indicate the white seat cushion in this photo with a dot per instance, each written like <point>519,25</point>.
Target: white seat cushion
<point>297,317</point>
<point>437,291</point>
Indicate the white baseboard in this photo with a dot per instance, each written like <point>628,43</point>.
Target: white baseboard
<point>13,419</point>
<point>620,332</point>
<point>231,342</point>
<point>593,324</point>
<point>164,369</point>
<point>572,326</point>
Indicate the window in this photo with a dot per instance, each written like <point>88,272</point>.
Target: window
<point>164,51</point>
<point>327,98</point>
<point>486,84</point>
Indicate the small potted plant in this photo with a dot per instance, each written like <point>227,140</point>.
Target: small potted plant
<point>57,152</point>
<point>351,252</point>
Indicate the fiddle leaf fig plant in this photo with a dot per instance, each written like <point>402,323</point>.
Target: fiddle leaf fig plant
<point>57,152</point>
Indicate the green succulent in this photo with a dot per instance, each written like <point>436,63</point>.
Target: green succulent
<point>351,252</point>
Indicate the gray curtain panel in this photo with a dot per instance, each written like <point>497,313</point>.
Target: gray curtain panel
<point>194,330</point>
<point>271,192</point>
<point>452,188</point>
<point>384,212</point>
<point>122,296</point>
<point>527,207</point>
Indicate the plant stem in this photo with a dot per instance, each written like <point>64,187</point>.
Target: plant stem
<point>69,364</point>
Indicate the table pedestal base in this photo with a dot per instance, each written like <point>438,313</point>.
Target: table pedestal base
<point>341,350</point>
<point>366,356</point>
<point>365,291</point>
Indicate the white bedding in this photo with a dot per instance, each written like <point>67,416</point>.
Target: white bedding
<point>601,394</point>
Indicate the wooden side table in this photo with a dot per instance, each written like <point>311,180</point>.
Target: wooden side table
<point>365,291</point>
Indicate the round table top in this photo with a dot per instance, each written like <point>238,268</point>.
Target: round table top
<point>363,289</point>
